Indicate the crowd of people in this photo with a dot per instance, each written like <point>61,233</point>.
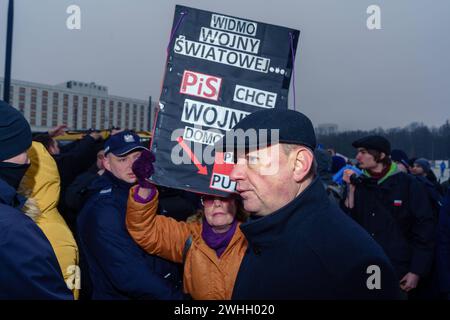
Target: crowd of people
<point>83,221</point>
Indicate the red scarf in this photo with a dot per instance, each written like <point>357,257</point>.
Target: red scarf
<point>378,175</point>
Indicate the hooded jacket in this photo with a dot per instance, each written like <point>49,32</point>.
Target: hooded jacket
<point>42,180</point>
<point>206,276</point>
<point>29,268</point>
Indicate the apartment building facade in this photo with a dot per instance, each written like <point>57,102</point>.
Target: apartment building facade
<point>79,105</point>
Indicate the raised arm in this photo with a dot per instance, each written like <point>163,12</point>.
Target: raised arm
<point>156,234</point>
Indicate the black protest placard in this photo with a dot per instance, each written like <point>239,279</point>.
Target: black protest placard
<point>219,69</point>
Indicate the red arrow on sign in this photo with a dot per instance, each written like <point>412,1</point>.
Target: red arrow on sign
<point>201,169</point>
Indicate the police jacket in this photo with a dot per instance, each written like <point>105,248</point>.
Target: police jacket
<point>118,267</point>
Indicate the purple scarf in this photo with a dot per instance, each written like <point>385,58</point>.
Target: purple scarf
<point>217,241</point>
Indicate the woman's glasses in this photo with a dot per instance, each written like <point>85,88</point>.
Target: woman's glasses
<point>208,201</point>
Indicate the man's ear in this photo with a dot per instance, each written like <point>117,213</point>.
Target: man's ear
<point>106,162</point>
<point>382,155</point>
<point>303,162</point>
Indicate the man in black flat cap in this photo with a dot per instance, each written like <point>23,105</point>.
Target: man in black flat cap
<point>300,244</point>
<point>394,208</point>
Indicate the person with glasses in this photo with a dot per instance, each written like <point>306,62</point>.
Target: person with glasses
<point>211,248</point>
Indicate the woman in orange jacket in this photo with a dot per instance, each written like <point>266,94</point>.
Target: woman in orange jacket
<point>211,249</point>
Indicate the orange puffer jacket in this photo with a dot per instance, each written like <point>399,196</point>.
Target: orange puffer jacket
<point>206,276</point>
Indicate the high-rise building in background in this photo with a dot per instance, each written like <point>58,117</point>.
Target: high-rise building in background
<point>79,105</point>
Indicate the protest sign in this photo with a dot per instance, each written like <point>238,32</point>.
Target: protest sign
<point>219,70</point>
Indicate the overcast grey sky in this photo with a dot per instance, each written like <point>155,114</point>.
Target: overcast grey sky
<point>345,73</point>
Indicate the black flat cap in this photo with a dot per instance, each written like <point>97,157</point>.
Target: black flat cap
<point>377,143</point>
<point>257,130</point>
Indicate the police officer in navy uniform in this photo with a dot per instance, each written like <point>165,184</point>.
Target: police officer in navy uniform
<point>118,267</point>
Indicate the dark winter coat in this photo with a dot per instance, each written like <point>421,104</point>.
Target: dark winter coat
<point>28,265</point>
<point>396,211</point>
<point>310,249</point>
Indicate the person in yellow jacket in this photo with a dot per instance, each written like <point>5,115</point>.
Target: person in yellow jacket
<point>41,184</point>
<point>211,249</point>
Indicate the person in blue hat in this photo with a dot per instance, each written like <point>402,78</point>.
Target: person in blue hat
<point>28,265</point>
<point>118,268</point>
<point>300,244</point>
<point>421,167</point>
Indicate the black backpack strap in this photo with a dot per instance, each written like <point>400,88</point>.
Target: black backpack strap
<point>187,245</point>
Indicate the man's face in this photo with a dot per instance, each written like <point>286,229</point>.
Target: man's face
<point>265,179</point>
<point>19,159</point>
<point>120,167</point>
<point>417,170</point>
<point>365,159</point>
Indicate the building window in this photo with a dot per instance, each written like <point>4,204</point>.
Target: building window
<point>142,117</point>
<point>134,116</point>
<point>84,113</point>
<point>44,107</point>
<point>119,114</point>
<point>65,108</point>
<point>22,100</point>
<point>94,113</point>
<point>111,113</point>
<point>55,109</point>
<point>33,107</point>
<point>102,114</point>
<point>33,114</point>
<point>127,115</point>
<point>75,112</point>
<point>33,96</point>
